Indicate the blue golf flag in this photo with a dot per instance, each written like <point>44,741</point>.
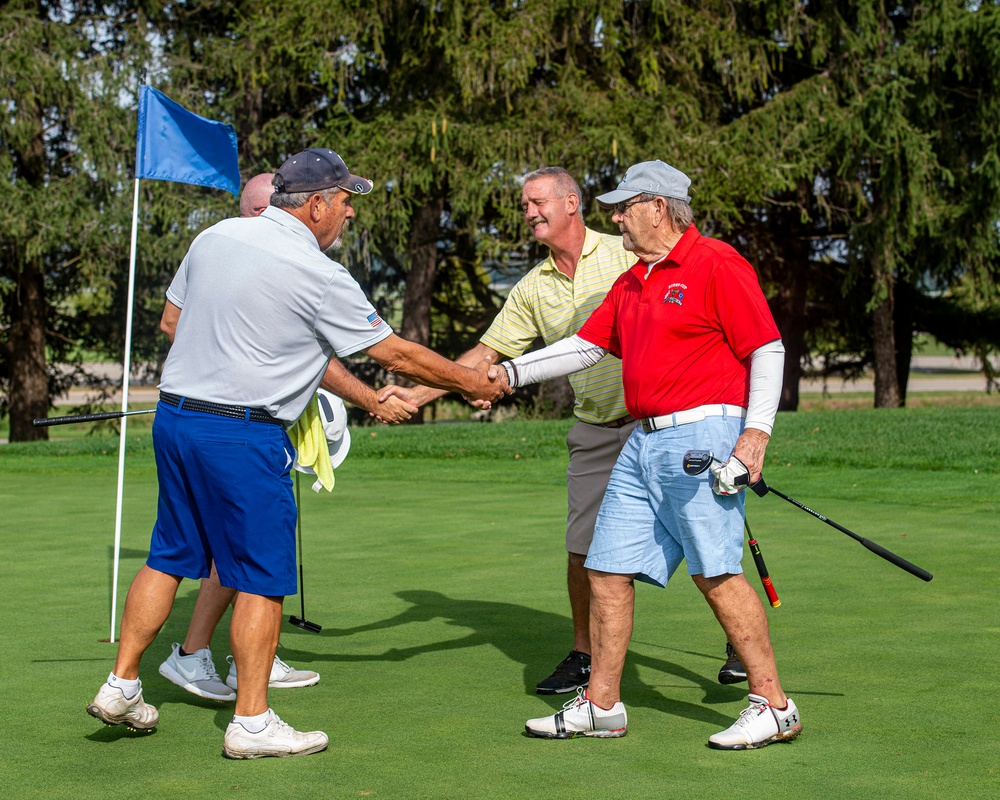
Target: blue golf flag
<point>173,144</point>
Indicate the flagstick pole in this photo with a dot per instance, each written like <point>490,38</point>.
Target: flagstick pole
<point>123,436</point>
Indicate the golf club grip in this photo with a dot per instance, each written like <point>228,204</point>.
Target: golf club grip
<point>46,421</point>
<point>765,578</point>
<point>43,422</point>
<point>891,557</point>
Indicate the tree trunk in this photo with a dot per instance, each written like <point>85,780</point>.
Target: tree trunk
<point>29,385</point>
<point>886,380</point>
<point>423,255</point>
<point>903,319</point>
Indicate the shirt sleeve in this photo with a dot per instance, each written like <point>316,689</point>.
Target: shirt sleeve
<point>347,320</point>
<point>178,286</point>
<point>600,327</point>
<point>743,314</point>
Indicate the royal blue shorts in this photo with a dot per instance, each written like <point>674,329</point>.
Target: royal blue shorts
<point>654,515</point>
<point>225,494</point>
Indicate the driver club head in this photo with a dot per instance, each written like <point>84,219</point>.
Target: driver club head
<point>697,461</point>
<point>305,624</point>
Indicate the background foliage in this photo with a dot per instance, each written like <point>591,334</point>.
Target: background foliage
<point>849,149</point>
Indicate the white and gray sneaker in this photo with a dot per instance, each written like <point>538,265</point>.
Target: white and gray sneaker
<point>580,717</point>
<point>277,739</point>
<point>196,673</point>
<point>759,725</point>
<point>282,676</point>
<point>112,707</point>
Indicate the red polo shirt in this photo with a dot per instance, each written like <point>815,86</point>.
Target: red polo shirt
<point>685,332</point>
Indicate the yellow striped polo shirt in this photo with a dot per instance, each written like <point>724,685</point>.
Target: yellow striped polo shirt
<point>546,303</point>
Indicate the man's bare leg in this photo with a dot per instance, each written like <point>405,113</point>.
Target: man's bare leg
<point>578,584</point>
<point>253,638</point>
<point>213,600</point>
<point>739,610</point>
<point>612,605</point>
<point>150,598</point>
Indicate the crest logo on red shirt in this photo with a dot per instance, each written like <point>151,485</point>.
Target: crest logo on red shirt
<point>675,294</point>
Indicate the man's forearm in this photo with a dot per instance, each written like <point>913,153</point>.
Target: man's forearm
<point>339,380</point>
<point>422,365</point>
<point>565,357</point>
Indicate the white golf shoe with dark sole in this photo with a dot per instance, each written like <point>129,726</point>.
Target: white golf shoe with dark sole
<point>759,725</point>
<point>580,717</point>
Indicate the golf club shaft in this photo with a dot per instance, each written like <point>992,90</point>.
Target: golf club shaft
<point>765,578</point>
<point>298,529</point>
<point>877,549</point>
<point>43,422</point>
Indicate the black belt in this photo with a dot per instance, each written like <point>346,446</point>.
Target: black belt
<point>616,423</point>
<point>233,412</point>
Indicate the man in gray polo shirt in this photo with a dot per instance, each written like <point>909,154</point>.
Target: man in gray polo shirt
<point>264,311</point>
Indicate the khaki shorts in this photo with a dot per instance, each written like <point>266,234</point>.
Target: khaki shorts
<point>593,451</point>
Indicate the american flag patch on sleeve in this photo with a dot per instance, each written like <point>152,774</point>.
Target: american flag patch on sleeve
<point>374,319</point>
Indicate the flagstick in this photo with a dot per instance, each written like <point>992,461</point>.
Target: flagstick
<point>124,428</point>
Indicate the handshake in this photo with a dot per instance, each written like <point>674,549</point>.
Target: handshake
<point>483,384</point>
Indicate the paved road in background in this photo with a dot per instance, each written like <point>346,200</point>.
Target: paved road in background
<point>927,374</point>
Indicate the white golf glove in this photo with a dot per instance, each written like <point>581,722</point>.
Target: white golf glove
<point>730,477</point>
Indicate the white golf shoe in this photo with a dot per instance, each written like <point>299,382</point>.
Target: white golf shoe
<point>759,725</point>
<point>196,673</point>
<point>278,739</point>
<point>282,676</point>
<point>580,717</point>
<point>112,708</point>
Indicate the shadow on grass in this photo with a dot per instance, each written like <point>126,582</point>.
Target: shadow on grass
<point>524,635</point>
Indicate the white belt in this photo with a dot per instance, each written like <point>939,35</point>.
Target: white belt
<point>650,424</point>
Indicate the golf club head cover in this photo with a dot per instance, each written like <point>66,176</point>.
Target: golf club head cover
<point>730,477</point>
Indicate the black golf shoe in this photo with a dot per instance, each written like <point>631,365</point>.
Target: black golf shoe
<point>732,671</point>
<point>572,674</point>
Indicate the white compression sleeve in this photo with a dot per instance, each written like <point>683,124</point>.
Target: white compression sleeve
<point>767,363</point>
<point>562,358</point>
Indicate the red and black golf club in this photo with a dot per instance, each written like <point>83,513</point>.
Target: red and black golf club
<point>697,461</point>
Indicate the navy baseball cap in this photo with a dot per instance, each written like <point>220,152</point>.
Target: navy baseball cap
<point>649,177</point>
<point>316,169</point>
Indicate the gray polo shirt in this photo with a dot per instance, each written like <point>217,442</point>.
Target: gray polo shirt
<point>263,311</point>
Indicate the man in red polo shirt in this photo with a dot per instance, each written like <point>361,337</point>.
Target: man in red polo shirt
<point>701,367</point>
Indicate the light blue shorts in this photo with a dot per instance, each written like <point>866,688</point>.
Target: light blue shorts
<point>653,515</point>
<point>225,495</point>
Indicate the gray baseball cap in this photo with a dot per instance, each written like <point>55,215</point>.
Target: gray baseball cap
<point>649,177</point>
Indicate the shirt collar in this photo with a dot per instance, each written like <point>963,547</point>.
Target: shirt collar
<point>291,222</point>
<point>591,241</point>
<point>677,253</point>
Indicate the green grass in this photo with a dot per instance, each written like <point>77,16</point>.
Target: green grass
<point>436,568</point>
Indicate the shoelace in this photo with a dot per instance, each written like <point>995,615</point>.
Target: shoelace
<point>209,665</point>
<point>282,665</point>
<point>749,714</point>
<point>577,701</point>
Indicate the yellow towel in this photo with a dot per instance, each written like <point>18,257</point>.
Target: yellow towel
<point>309,440</point>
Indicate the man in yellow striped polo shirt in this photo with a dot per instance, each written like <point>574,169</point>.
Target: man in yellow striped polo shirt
<point>552,302</point>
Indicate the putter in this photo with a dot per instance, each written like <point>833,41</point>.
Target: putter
<point>697,461</point>
<point>301,622</point>
<point>43,422</point>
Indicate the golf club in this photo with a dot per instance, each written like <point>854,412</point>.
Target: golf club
<point>758,559</point>
<point>42,422</point>
<point>761,489</point>
<point>697,461</point>
<point>301,622</point>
